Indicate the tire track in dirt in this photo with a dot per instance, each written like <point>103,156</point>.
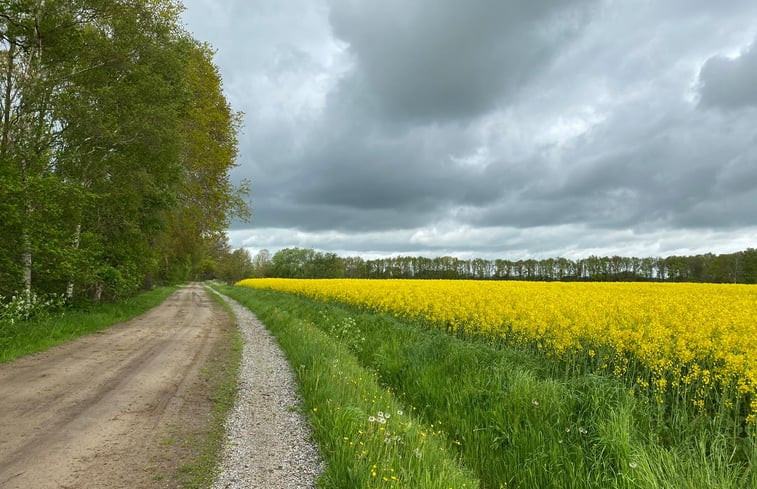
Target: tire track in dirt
<point>87,413</point>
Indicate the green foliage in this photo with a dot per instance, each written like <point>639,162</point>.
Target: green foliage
<point>29,305</point>
<point>233,267</point>
<point>518,421</point>
<point>115,147</point>
<point>740,267</point>
<point>306,263</point>
<point>261,264</point>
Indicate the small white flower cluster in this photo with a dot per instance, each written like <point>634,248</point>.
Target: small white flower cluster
<point>581,430</point>
<point>381,416</point>
<point>26,305</point>
<point>347,331</point>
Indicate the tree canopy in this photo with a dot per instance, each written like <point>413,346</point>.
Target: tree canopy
<point>116,144</point>
<point>740,267</point>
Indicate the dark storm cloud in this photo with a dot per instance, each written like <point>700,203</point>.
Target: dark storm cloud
<point>430,60</point>
<point>730,83</point>
<point>411,171</point>
<point>284,213</point>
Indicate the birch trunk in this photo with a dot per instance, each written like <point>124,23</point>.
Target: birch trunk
<point>26,262</point>
<point>70,286</point>
<point>7,100</point>
<point>33,70</point>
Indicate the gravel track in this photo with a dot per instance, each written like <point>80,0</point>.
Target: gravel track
<point>268,441</point>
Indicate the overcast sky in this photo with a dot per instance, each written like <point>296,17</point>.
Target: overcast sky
<point>492,128</point>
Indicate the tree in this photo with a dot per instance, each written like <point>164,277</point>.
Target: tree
<point>261,264</point>
<point>115,147</point>
<point>235,266</point>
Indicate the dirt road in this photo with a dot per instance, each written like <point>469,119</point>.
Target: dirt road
<point>113,409</point>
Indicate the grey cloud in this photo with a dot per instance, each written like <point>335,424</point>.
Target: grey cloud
<point>636,170</point>
<point>730,83</point>
<point>322,217</point>
<point>574,241</point>
<point>739,175</point>
<point>431,60</point>
<point>494,127</point>
<point>406,172</point>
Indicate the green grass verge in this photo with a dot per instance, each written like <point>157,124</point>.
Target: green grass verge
<point>221,373</point>
<point>505,413</point>
<point>35,335</point>
<point>367,436</point>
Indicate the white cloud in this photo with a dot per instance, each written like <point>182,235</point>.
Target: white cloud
<point>569,241</point>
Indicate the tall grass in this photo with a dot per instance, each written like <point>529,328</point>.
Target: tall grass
<point>38,334</point>
<point>512,417</point>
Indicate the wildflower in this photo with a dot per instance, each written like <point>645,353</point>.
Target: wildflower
<point>399,412</point>
<point>535,403</point>
<point>633,465</point>
<point>372,419</point>
<point>582,430</point>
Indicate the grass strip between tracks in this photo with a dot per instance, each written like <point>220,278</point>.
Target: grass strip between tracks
<point>501,412</point>
<point>39,334</point>
<point>221,373</point>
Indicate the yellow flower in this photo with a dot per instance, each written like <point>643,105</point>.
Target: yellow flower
<point>666,338</point>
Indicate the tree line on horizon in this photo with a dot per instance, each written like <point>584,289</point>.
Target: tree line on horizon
<point>739,267</point>
<point>116,143</point>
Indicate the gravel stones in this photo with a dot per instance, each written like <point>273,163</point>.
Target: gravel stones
<point>268,440</point>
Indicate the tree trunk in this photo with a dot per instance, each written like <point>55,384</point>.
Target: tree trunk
<point>70,286</point>
<point>26,262</point>
<point>99,287</point>
<point>4,139</point>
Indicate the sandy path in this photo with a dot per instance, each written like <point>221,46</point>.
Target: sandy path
<point>95,412</point>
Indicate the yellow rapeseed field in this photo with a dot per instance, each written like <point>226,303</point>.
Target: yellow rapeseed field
<point>683,343</point>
